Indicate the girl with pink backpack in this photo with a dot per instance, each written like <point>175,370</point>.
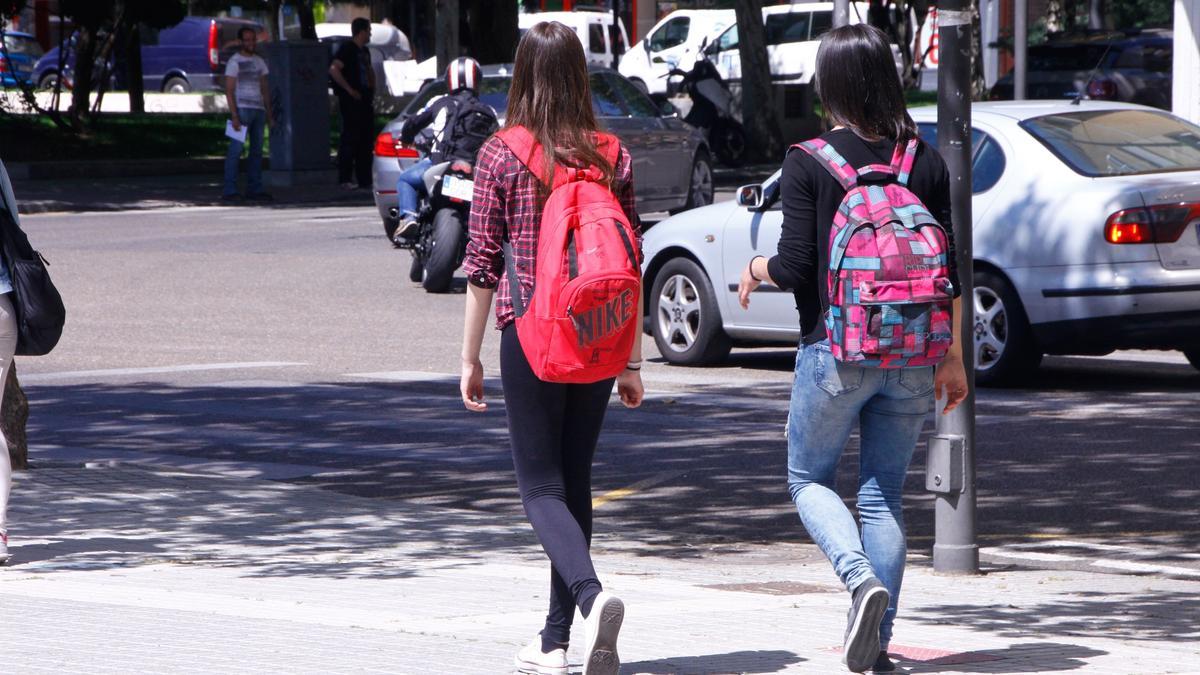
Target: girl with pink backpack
<point>867,249</point>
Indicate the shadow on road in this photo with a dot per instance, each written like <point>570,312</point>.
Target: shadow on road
<point>693,472</point>
<point>760,661</point>
<point>1033,657</point>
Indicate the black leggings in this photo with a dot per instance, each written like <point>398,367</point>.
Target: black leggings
<point>554,429</point>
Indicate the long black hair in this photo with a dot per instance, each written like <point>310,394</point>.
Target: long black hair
<point>859,88</point>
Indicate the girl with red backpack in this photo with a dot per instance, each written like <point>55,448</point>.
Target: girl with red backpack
<point>553,227</point>
<point>867,248</point>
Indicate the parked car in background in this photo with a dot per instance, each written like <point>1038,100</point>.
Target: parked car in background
<point>388,45</point>
<point>21,52</point>
<point>594,28</point>
<point>189,56</point>
<point>1086,240</point>
<point>793,33</point>
<point>1135,69</point>
<point>672,164</point>
<point>675,41</point>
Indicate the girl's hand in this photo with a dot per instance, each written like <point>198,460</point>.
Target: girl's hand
<point>950,379</point>
<point>471,386</point>
<point>629,387</point>
<point>746,286</point>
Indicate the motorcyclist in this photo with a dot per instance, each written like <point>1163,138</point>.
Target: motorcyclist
<point>461,124</point>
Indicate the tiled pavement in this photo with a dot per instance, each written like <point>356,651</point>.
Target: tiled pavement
<point>134,569</point>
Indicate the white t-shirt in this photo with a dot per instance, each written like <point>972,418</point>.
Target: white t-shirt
<point>247,70</point>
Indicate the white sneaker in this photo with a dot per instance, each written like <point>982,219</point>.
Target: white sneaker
<point>533,661</point>
<point>3,546</point>
<point>601,628</point>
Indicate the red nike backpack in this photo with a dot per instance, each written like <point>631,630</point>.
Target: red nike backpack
<point>580,321</point>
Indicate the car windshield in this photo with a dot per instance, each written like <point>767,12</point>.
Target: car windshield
<point>1119,142</point>
<point>493,92</point>
<point>1071,57</point>
<point>23,46</point>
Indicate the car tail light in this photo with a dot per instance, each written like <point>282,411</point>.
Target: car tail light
<point>386,145</point>
<point>1104,90</point>
<point>1162,224</point>
<point>214,54</point>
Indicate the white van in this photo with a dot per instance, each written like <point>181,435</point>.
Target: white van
<point>793,33</point>
<point>594,28</point>
<point>676,40</point>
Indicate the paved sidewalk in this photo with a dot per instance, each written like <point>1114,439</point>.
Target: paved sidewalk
<point>122,568</point>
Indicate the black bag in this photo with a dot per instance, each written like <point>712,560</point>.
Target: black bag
<point>39,307</point>
<point>473,123</point>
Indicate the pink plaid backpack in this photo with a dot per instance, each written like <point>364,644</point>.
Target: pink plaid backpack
<point>889,282</point>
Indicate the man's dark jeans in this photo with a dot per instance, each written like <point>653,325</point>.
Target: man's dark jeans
<point>357,140</point>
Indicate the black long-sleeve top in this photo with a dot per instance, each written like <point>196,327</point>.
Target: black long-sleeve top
<point>811,197</point>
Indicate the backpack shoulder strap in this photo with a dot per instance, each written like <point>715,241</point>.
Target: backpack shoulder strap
<point>902,160</point>
<point>526,148</point>
<point>832,160</point>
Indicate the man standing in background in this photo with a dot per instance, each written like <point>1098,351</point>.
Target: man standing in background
<point>354,82</point>
<point>249,100</point>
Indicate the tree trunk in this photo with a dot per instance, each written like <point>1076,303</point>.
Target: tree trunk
<point>308,22</point>
<point>13,416</point>
<point>978,80</point>
<point>764,138</point>
<point>133,70</point>
<point>446,35</point>
<point>493,30</point>
<point>85,61</point>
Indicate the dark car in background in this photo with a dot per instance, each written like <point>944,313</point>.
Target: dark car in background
<point>1134,69</point>
<point>672,165</point>
<point>189,56</point>
<point>20,55</point>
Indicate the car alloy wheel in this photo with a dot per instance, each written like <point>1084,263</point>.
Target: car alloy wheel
<point>991,329</point>
<point>679,313</point>
<point>702,184</point>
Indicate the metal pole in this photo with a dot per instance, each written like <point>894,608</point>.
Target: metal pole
<point>615,33</point>
<point>1020,48</point>
<point>446,38</point>
<point>841,13</point>
<point>955,549</point>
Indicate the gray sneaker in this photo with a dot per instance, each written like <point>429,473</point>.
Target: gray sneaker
<point>601,628</point>
<point>861,648</point>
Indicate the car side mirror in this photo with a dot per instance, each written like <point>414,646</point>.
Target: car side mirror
<point>750,196</point>
<point>667,109</point>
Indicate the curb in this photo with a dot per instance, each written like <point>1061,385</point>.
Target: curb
<point>40,206</point>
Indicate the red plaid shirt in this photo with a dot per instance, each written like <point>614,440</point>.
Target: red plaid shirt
<point>506,202</point>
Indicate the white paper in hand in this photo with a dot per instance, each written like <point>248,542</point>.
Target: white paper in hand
<point>237,135</point>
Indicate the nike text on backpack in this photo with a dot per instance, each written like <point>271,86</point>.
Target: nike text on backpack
<point>38,305</point>
<point>890,292</point>
<point>580,320</point>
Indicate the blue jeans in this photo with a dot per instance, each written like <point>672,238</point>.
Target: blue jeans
<point>890,406</point>
<point>253,120</point>
<point>411,186</point>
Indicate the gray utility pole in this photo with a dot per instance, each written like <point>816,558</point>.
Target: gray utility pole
<point>950,470</point>
<point>446,34</point>
<point>616,33</point>
<point>841,13</point>
<point>1020,48</point>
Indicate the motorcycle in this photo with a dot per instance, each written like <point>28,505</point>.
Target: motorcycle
<point>712,106</point>
<point>440,243</point>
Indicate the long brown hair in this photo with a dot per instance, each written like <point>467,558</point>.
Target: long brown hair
<point>551,97</point>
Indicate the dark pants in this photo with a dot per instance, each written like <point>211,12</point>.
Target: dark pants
<point>554,429</point>
<point>357,140</point>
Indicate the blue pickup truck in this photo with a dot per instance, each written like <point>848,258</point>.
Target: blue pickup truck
<point>189,56</point>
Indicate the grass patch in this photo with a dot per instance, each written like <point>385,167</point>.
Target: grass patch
<point>125,136</point>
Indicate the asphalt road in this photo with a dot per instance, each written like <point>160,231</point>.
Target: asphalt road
<point>287,343</point>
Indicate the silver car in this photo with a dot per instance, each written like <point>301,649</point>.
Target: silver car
<point>672,165</point>
<point>1086,240</point>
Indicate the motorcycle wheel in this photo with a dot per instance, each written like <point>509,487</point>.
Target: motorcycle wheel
<point>729,142</point>
<point>416,271</point>
<point>442,259</point>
